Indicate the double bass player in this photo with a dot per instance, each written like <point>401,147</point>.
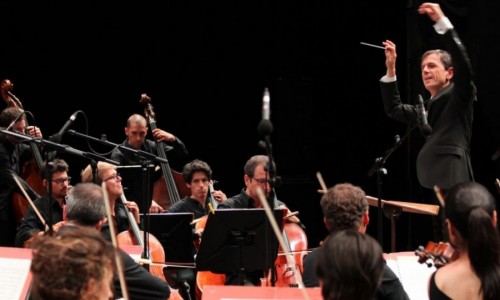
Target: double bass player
<point>13,155</point>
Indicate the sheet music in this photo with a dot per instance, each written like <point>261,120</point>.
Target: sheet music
<point>13,274</point>
<point>413,275</point>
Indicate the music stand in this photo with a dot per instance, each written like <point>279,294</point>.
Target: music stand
<point>393,209</point>
<point>174,231</point>
<point>134,186</point>
<point>237,241</point>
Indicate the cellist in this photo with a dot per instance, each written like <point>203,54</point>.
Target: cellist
<point>85,208</point>
<point>51,209</point>
<point>106,172</point>
<point>198,177</point>
<point>13,155</point>
<point>255,175</point>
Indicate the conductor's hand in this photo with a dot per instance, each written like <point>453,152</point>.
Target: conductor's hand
<point>390,57</point>
<point>433,10</point>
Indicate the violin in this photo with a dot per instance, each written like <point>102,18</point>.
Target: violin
<point>30,170</point>
<point>436,254</point>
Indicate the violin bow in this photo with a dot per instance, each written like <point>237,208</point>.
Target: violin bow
<point>322,183</point>
<point>119,266</point>
<point>281,240</point>
<point>439,195</point>
<point>37,212</point>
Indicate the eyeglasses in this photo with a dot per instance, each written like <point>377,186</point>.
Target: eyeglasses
<point>62,180</point>
<point>115,177</point>
<point>261,180</point>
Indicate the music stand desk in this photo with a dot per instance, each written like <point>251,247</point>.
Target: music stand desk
<point>392,209</point>
<point>417,208</point>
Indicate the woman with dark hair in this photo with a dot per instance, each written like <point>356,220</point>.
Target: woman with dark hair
<point>471,220</point>
<point>350,266</point>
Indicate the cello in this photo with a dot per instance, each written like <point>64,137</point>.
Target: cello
<point>30,170</point>
<point>166,191</point>
<point>156,252</point>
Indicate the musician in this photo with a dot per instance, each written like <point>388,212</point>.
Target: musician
<point>345,207</point>
<point>471,220</point>
<point>77,264</point>
<point>255,176</point>
<point>136,131</point>
<point>444,159</point>
<point>13,155</point>
<point>107,173</point>
<point>350,266</point>
<point>51,209</point>
<point>86,208</point>
<point>198,177</point>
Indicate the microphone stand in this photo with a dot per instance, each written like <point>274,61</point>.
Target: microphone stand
<point>139,153</point>
<point>378,167</point>
<point>265,129</point>
<point>58,147</point>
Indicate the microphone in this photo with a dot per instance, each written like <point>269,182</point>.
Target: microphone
<point>265,127</point>
<point>426,128</point>
<point>266,105</point>
<point>58,136</point>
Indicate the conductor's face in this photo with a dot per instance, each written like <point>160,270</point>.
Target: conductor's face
<point>258,180</point>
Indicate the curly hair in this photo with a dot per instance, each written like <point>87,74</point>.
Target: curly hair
<point>343,205</point>
<point>73,265</point>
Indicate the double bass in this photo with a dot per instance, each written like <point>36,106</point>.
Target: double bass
<point>30,171</point>
<point>172,187</point>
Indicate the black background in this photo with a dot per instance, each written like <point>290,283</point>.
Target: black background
<point>205,66</point>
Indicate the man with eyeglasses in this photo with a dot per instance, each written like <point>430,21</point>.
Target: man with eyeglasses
<point>255,176</point>
<point>50,206</point>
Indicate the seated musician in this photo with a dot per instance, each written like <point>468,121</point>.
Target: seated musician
<point>198,176</point>
<point>136,131</point>
<point>350,266</point>
<point>85,208</point>
<point>51,210</point>
<point>13,156</point>
<point>107,173</point>
<point>345,207</point>
<point>255,176</point>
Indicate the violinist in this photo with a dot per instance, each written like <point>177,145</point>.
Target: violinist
<point>85,208</point>
<point>136,131</point>
<point>107,173</point>
<point>50,209</point>
<point>13,155</point>
<point>471,221</point>
<point>345,207</point>
<point>198,176</point>
<point>255,176</point>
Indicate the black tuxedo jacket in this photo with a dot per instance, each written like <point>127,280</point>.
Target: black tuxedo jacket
<point>444,159</point>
